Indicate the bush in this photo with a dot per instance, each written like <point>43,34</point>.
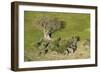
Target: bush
<point>58,45</point>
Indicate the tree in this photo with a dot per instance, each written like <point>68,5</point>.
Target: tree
<point>48,24</point>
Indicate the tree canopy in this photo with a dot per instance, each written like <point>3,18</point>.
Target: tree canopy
<point>48,24</point>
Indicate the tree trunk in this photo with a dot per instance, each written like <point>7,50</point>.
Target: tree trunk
<point>47,35</point>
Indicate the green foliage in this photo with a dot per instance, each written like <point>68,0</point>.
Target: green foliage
<point>58,45</point>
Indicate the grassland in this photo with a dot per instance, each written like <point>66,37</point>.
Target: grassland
<point>75,24</point>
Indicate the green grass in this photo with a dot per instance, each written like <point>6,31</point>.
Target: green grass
<point>75,24</point>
